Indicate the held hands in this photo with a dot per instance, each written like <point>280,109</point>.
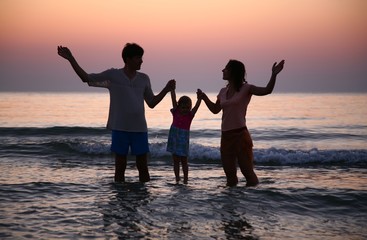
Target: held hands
<point>171,85</point>
<point>200,94</point>
<point>277,68</point>
<point>64,52</point>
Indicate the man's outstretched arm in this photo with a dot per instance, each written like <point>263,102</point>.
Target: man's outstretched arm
<point>66,53</point>
<point>171,85</point>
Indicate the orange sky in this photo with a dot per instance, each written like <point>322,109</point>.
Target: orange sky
<point>188,40</point>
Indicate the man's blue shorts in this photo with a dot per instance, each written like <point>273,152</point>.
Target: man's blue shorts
<point>137,141</point>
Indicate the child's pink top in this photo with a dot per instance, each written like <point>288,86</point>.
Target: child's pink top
<point>181,121</point>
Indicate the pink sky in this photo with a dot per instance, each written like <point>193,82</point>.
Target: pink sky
<point>322,41</point>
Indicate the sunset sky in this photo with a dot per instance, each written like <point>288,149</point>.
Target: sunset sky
<point>324,42</point>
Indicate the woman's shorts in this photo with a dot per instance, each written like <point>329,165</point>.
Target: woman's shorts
<point>236,141</point>
<point>136,141</point>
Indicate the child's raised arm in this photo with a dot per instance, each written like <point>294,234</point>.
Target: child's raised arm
<point>197,105</point>
<point>173,97</point>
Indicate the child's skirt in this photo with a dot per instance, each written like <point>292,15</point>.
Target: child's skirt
<point>178,141</point>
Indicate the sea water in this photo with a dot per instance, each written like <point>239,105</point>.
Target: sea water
<point>57,171</point>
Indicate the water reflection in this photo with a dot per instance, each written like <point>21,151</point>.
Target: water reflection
<point>233,214</point>
<point>121,215</point>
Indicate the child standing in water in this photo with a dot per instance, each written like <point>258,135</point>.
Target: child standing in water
<point>179,133</point>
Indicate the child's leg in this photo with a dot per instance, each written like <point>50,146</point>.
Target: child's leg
<point>185,169</point>
<point>176,167</point>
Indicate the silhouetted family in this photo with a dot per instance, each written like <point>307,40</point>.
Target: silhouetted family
<point>130,89</point>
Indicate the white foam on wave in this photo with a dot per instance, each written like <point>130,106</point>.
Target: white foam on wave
<point>93,148</point>
<point>270,156</point>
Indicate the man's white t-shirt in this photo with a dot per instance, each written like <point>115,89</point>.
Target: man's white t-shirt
<point>127,112</point>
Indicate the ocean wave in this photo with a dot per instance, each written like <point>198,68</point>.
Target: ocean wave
<point>79,148</point>
<point>53,131</point>
<point>258,134</point>
<point>314,156</point>
<point>78,142</point>
<point>269,133</point>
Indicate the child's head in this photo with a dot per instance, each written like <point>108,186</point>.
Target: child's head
<point>184,104</point>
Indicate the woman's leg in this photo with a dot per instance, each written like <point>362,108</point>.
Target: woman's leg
<point>246,164</point>
<point>246,158</point>
<point>230,168</point>
<point>228,157</point>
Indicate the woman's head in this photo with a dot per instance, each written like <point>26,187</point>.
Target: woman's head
<point>235,72</point>
<point>184,104</point>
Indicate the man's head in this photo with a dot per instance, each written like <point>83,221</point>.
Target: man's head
<point>132,54</point>
<point>132,50</point>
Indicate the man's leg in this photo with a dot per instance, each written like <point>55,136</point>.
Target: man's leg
<point>120,167</point>
<point>142,165</point>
